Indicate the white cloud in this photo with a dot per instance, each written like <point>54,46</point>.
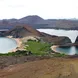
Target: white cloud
<point>43,8</point>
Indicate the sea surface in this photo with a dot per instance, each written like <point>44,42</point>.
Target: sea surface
<point>7,44</point>
<point>67,50</point>
<point>72,34</point>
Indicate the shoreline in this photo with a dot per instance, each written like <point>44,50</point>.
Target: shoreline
<point>18,42</point>
<point>55,51</point>
<point>54,48</point>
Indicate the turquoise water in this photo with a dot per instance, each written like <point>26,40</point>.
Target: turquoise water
<point>67,50</point>
<point>7,44</point>
<point>72,34</point>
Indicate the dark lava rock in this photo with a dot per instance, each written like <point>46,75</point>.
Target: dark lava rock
<point>76,41</point>
<point>62,40</point>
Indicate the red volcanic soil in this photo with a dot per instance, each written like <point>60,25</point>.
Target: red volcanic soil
<point>46,68</point>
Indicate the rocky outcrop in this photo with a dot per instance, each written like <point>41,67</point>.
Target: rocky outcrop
<point>76,41</point>
<point>63,40</point>
<point>71,44</point>
<point>23,31</point>
<point>56,40</point>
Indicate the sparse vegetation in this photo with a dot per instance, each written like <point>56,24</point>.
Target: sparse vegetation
<point>17,53</point>
<point>38,48</point>
<point>59,55</point>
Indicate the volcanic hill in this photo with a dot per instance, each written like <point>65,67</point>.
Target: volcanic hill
<point>37,22</point>
<point>24,31</point>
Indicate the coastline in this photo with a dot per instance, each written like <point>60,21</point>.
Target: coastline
<point>54,48</point>
<point>18,42</point>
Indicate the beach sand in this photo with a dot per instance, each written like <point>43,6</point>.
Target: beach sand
<point>54,48</point>
<point>19,43</point>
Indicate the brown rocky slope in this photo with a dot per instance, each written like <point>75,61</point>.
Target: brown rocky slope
<point>24,31</point>
<point>46,68</point>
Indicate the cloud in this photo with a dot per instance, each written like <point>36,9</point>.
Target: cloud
<point>15,6</point>
<point>44,8</point>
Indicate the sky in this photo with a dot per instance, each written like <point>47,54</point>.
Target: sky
<point>47,9</point>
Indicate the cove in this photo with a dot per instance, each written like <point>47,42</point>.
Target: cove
<point>7,44</point>
<point>72,34</point>
<point>67,50</point>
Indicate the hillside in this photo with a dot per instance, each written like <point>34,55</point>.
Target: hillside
<point>38,22</point>
<point>31,19</point>
<point>24,31</point>
<point>45,68</point>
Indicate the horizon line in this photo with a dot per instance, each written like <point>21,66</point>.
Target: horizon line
<point>72,18</point>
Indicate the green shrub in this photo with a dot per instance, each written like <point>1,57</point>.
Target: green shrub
<point>38,48</point>
<point>59,55</point>
<point>17,53</point>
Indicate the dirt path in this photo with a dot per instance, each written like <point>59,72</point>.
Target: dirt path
<point>47,68</point>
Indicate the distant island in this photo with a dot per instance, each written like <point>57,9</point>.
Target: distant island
<point>38,22</point>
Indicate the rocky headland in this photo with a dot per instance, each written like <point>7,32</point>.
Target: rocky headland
<point>22,33</point>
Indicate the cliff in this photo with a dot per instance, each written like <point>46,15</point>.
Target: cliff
<point>76,41</point>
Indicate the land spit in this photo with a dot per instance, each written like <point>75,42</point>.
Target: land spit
<point>20,41</point>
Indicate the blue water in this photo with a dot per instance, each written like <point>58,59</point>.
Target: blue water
<point>72,34</point>
<point>68,50</point>
<point>7,44</point>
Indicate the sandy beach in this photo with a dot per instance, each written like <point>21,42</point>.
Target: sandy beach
<point>19,43</point>
<point>54,48</point>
